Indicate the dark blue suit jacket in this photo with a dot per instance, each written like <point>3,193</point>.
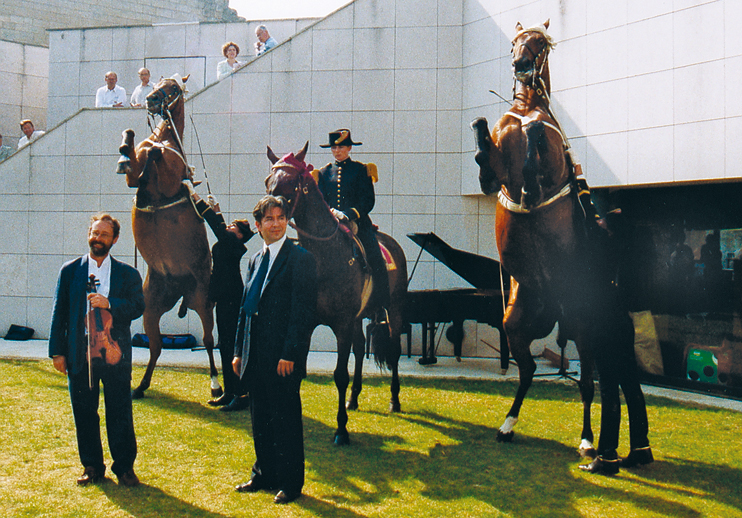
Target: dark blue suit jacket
<point>67,336</point>
<point>283,326</point>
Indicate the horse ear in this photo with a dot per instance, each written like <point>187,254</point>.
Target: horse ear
<point>301,154</point>
<point>518,27</point>
<point>185,79</point>
<point>546,23</point>
<point>271,155</point>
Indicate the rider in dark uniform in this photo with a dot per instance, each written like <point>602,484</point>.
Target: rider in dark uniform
<point>348,188</point>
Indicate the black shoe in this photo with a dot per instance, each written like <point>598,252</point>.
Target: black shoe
<point>89,476</point>
<point>282,497</point>
<point>601,466</point>
<point>129,479</point>
<point>250,486</point>
<point>238,403</point>
<point>637,457</point>
<point>222,400</point>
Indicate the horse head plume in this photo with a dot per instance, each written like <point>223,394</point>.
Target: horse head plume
<point>287,173</point>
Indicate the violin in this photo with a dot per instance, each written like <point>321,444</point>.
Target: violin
<point>99,323</point>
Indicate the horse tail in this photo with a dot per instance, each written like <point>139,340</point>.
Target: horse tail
<point>381,345</point>
<point>385,339</point>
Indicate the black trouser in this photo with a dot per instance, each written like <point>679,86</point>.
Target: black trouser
<point>227,314</point>
<point>367,236</point>
<point>613,348</point>
<point>275,409</point>
<point>119,420</point>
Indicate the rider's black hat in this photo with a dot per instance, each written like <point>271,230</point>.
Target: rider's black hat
<point>341,137</point>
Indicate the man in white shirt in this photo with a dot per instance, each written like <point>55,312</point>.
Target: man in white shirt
<point>139,96</point>
<point>29,133</point>
<point>110,95</point>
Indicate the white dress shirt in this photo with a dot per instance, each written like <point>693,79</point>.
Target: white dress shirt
<point>24,140</point>
<point>105,98</point>
<point>140,93</point>
<point>103,274</point>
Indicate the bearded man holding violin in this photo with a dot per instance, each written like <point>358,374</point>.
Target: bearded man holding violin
<point>97,297</point>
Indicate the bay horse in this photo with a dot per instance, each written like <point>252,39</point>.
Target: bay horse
<point>167,230</point>
<point>540,225</point>
<point>343,283</point>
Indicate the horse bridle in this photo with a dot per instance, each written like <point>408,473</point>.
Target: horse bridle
<point>168,101</point>
<point>536,82</point>
<point>301,188</point>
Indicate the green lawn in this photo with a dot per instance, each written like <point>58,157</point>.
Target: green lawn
<point>437,458</point>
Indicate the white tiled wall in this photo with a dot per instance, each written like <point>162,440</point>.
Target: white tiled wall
<point>632,83</point>
<point>80,58</point>
<point>24,78</point>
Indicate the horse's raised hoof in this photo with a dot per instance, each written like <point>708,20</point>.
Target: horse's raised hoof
<point>351,405</point>
<point>342,439</point>
<point>216,392</point>
<point>479,122</point>
<point>137,393</point>
<point>395,407</point>
<point>505,437</point>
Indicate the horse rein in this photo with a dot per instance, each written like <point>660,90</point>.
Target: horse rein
<point>166,105</point>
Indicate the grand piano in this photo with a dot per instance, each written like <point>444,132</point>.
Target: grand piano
<point>483,303</point>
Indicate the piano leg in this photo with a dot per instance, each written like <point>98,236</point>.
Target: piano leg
<point>455,335</point>
<point>427,359</point>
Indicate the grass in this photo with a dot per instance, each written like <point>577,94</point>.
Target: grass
<point>437,458</point>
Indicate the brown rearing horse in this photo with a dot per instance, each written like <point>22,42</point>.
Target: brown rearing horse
<point>341,300</point>
<point>167,230</point>
<point>539,223</point>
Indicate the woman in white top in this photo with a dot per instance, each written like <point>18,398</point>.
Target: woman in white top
<point>230,50</point>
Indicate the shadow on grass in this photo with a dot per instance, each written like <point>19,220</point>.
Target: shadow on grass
<point>151,502</point>
<point>532,477</point>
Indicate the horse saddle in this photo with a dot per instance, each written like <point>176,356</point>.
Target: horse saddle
<point>360,251</point>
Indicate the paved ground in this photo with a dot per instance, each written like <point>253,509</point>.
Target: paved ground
<point>324,363</point>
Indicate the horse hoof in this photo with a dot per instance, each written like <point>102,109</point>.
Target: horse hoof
<point>137,393</point>
<point>342,439</point>
<point>589,453</point>
<point>505,437</point>
<point>351,405</point>
<point>395,406</point>
<point>217,392</point>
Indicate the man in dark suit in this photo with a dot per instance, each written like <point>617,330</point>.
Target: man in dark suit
<point>273,333</point>
<point>120,292</point>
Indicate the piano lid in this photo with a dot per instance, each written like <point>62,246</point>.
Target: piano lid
<point>481,272</point>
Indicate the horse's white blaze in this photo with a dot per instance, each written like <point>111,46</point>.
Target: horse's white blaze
<point>509,424</point>
<point>215,382</point>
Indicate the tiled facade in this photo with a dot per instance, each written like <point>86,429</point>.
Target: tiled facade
<point>24,77</point>
<point>80,58</point>
<point>632,85</point>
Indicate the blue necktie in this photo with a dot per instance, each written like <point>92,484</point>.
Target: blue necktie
<point>256,285</point>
